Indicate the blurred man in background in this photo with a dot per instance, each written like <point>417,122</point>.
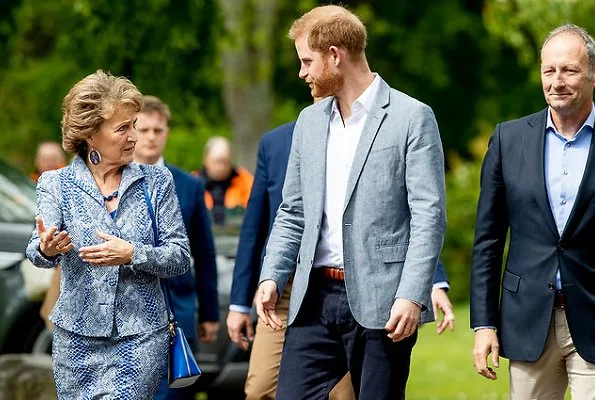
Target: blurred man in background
<point>49,156</point>
<point>152,126</point>
<point>227,186</point>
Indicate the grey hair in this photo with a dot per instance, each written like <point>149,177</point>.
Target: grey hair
<point>581,33</point>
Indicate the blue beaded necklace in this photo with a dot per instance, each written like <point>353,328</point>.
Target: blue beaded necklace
<point>111,196</point>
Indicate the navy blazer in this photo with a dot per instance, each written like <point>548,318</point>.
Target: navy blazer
<point>203,283</point>
<point>265,198</point>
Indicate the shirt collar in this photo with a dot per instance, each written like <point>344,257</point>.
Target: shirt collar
<point>590,121</point>
<point>160,162</point>
<point>366,99</point>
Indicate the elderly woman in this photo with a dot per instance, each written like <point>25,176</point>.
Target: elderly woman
<point>111,336</point>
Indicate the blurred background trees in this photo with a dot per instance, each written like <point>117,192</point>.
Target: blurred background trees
<point>225,67</point>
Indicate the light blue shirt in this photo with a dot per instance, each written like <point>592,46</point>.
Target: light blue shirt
<point>565,162</point>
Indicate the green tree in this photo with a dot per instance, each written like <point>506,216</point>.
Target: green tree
<point>165,49</point>
<point>246,52</point>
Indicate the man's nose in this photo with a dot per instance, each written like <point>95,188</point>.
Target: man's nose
<point>558,80</point>
<point>303,73</point>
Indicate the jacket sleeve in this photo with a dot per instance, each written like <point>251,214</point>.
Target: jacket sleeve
<point>171,256</point>
<point>286,235</point>
<point>252,237</point>
<point>424,179</point>
<point>51,214</point>
<point>440,274</point>
<point>490,237</point>
<point>203,250</point>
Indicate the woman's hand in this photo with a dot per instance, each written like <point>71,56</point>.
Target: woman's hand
<point>114,251</point>
<point>51,243</point>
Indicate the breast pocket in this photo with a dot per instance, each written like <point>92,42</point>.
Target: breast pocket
<point>383,164</point>
<point>389,154</point>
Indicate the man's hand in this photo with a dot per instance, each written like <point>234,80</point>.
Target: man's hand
<point>404,316</point>
<point>441,302</point>
<point>239,328</point>
<point>207,331</point>
<point>114,251</point>
<point>486,342</point>
<point>266,301</point>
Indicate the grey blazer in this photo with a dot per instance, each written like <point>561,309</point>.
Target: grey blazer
<point>394,215</point>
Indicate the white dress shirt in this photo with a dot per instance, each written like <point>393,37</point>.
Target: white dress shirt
<point>342,142</point>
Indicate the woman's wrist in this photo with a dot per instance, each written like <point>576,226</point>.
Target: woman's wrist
<point>44,255</point>
<point>130,253</point>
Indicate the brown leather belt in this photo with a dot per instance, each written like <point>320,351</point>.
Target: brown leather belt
<point>333,273</point>
<point>559,299</point>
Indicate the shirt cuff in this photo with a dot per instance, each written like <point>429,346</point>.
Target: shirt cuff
<point>441,285</point>
<point>240,309</point>
<point>484,327</point>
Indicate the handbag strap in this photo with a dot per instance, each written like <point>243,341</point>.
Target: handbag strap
<point>164,282</point>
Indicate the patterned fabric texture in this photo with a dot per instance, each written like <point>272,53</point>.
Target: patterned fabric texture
<point>110,339</point>
<point>105,368</point>
<point>93,298</point>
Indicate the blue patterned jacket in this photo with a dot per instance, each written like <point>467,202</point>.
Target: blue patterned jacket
<point>124,299</point>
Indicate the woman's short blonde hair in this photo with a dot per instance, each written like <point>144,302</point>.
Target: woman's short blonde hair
<point>327,26</point>
<point>90,103</point>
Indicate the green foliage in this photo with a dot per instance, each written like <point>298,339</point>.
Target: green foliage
<point>525,23</point>
<point>442,366</point>
<point>166,49</point>
<point>462,188</point>
<point>186,141</point>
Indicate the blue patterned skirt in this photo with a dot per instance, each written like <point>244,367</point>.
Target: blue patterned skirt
<point>127,367</point>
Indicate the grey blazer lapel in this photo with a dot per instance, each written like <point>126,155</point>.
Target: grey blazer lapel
<point>377,114</point>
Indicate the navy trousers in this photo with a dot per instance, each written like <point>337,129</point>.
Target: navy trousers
<point>325,341</point>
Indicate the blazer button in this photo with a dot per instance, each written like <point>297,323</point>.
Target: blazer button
<point>561,248</point>
<point>551,286</point>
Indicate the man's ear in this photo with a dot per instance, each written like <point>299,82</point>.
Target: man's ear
<point>336,54</point>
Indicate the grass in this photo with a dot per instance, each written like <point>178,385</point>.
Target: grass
<point>442,366</point>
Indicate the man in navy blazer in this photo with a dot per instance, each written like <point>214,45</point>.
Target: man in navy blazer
<point>538,188</point>
<point>265,197</point>
<point>152,128</point>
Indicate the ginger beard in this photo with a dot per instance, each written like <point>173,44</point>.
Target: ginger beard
<point>329,83</point>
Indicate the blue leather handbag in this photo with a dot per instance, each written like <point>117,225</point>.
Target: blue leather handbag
<point>183,370</point>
